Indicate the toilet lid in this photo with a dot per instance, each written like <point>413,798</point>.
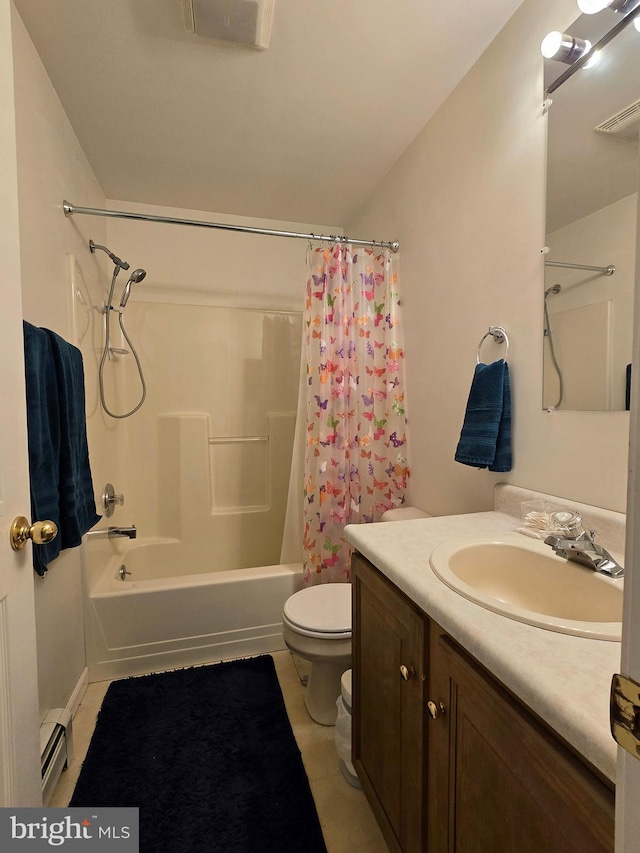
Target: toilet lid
<point>323,610</point>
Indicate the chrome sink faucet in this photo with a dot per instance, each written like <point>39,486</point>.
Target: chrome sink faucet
<point>577,544</point>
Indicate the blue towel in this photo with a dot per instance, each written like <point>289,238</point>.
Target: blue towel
<point>485,439</point>
<point>59,472</point>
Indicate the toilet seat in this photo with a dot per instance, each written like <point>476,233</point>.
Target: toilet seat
<point>322,611</point>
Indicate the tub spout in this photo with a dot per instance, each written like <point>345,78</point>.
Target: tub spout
<point>117,532</point>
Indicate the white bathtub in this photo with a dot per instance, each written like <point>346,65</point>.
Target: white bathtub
<point>167,613</point>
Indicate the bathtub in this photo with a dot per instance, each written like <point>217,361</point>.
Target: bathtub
<point>148,607</point>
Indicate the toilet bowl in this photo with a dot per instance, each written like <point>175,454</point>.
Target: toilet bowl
<point>317,628</point>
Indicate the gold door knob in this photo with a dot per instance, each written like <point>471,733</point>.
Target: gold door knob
<point>40,532</point>
<point>407,672</point>
<point>436,709</point>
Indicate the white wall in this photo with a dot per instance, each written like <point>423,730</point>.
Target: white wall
<point>467,202</point>
<point>52,166</point>
<point>259,270</point>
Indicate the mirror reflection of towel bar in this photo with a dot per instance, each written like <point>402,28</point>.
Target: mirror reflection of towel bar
<point>604,270</point>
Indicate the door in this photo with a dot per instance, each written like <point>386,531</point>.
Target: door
<point>499,781</point>
<point>19,714</point>
<point>628,770</point>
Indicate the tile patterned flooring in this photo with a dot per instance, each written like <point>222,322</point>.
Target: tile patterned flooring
<point>347,822</point>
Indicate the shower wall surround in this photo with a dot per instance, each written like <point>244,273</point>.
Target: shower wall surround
<point>217,323</point>
<point>208,455</point>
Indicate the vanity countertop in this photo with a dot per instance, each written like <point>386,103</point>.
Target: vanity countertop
<point>562,678</point>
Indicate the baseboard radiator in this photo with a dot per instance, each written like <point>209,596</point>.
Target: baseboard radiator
<point>56,749</point>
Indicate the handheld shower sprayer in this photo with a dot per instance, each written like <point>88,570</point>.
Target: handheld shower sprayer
<point>135,277</point>
<point>555,288</point>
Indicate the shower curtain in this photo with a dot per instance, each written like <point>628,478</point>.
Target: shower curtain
<point>356,464</point>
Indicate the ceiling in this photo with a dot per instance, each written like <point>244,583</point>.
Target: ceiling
<point>301,132</point>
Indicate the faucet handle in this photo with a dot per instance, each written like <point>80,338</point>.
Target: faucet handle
<point>110,499</point>
<point>569,523</point>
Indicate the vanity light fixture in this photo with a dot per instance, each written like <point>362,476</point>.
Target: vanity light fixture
<point>591,7</point>
<point>587,57</point>
<point>564,47</point>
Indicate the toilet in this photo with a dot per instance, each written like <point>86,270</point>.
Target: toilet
<point>317,627</point>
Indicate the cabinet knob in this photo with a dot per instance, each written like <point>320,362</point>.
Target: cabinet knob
<point>407,672</point>
<point>436,709</point>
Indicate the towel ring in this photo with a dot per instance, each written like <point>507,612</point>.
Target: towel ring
<point>499,335</point>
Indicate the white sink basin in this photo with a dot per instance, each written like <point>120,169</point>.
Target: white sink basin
<point>524,580</point>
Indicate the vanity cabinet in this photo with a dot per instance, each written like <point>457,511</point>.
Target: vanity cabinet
<point>389,680</point>
<point>450,761</point>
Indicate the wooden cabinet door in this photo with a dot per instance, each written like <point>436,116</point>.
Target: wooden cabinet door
<point>388,710</point>
<point>499,781</point>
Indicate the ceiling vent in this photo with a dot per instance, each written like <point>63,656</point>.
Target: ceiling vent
<point>623,124</point>
<point>245,22</point>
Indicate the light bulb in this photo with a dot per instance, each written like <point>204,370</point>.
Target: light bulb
<point>636,22</point>
<point>590,7</point>
<point>551,44</point>
<point>593,59</point>
<point>563,47</point>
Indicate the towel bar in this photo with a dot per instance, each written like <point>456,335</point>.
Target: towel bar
<point>499,335</point>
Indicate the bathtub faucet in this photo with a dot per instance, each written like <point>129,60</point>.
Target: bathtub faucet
<point>117,532</point>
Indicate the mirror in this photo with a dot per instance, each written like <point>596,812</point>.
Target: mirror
<point>592,183</point>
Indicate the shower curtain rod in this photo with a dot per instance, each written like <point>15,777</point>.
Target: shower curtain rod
<point>71,209</point>
<point>604,270</point>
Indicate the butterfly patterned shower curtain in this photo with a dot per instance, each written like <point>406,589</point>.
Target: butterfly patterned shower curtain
<point>356,441</point>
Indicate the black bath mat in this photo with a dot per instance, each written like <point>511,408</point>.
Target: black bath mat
<point>208,756</point>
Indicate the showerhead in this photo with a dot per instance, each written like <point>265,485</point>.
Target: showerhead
<point>555,289</point>
<point>135,277</point>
